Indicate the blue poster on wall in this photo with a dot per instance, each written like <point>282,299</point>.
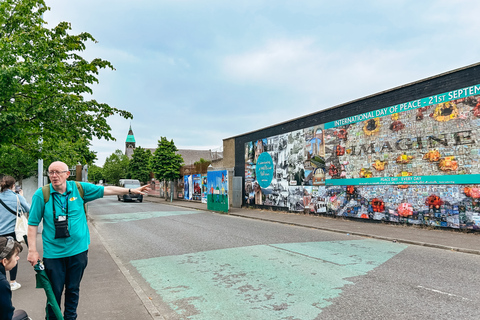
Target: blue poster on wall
<point>204,189</point>
<point>188,187</point>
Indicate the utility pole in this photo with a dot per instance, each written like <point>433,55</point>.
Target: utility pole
<point>40,173</point>
<point>40,161</point>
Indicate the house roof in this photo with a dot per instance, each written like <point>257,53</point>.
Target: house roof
<point>191,156</point>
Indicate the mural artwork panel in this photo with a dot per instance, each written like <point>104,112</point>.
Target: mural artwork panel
<point>204,189</point>
<point>415,162</point>
<point>217,197</point>
<point>197,187</point>
<point>188,187</point>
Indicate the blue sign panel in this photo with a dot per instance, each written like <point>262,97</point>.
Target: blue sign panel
<point>445,179</point>
<point>264,169</point>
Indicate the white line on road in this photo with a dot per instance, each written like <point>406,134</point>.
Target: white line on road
<point>444,293</point>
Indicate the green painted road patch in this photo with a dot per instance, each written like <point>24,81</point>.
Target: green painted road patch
<point>135,216</point>
<point>281,281</point>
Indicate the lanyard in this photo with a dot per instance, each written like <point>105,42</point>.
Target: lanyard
<point>64,205</point>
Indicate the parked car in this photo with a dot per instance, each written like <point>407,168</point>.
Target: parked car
<point>130,184</point>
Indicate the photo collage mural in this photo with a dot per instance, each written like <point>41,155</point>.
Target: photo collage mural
<point>416,162</point>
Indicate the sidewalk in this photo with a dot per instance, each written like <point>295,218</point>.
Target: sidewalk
<point>436,238</point>
<point>108,291</point>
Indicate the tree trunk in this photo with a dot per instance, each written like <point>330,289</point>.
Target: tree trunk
<point>166,189</point>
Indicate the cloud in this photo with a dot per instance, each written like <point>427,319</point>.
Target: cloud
<point>302,66</point>
<point>277,57</point>
<point>199,72</point>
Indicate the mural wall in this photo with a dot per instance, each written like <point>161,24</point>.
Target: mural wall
<point>415,162</point>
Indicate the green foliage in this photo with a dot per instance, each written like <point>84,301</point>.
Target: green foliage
<point>165,162</point>
<point>95,173</point>
<point>115,167</point>
<point>139,165</point>
<point>43,81</point>
<point>17,163</point>
<point>201,165</point>
<point>71,152</point>
<point>201,162</point>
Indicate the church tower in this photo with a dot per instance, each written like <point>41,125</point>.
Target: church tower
<point>130,143</point>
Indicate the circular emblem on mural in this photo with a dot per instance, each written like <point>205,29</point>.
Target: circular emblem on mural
<point>264,169</point>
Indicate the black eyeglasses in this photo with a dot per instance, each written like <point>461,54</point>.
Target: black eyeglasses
<point>55,173</point>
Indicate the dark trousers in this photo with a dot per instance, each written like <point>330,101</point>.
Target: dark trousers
<point>66,273</point>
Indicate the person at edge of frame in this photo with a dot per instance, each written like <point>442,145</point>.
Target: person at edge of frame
<point>11,198</point>
<point>9,250</point>
<point>65,235</point>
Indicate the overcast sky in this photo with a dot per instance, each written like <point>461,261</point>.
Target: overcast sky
<point>198,72</point>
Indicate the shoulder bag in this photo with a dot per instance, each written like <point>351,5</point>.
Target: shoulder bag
<point>21,226</point>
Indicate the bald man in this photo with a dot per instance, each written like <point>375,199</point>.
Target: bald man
<point>65,235</point>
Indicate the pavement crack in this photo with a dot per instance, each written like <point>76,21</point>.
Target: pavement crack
<point>305,255</point>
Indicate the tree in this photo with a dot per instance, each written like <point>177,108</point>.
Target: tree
<point>43,81</point>
<point>95,173</point>
<point>115,167</point>
<point>16,163</point>
<point>166,163</point>
<point>139,165</point>
<point>201,165</point>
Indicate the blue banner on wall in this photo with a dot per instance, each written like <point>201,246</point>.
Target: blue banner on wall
<point>416,180</point>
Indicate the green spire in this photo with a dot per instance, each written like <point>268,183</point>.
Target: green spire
<point>130,137</point>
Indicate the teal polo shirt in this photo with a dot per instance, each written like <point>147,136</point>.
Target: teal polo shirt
<point>79,239</point>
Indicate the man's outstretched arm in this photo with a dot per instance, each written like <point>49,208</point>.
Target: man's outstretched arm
<point>119,191</point>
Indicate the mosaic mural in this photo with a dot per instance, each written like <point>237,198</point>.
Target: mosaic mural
<point>415,162</point>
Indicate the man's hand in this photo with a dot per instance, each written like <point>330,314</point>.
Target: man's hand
<point>142,190</point>
<point>33,257</point>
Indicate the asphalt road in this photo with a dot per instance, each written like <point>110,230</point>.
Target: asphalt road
<point>202,265</point>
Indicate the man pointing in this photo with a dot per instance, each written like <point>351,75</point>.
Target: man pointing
<point>65,235</point>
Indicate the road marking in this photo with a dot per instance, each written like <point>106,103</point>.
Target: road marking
<point>279,281</point>
<point>444,293</point>
<point>135,216</point>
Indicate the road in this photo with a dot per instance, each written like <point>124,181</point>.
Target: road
<point>201,265</point>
